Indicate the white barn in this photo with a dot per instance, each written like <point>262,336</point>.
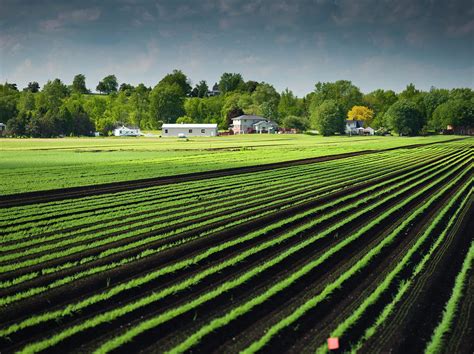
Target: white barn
<point>192,129</point>
<point>125,131</point>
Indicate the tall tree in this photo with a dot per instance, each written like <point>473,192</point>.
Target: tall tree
<point>230,82</point>
<point>328,118</point>
<point>289,105</point>
<point>267,98</point>
<point>127,88</point>
<point>50,98</point>
<point>8,103</point>
<point>457,112</point>
<point>380,101</point>
<point>343,92</point>
<point>32,87</point>
<point>108,84</point>
<point>166,104</point>
<point>361,113</point>
<point>179,78</point>
<point>405,118</point>
<point>79,84</point>
<point>200,90</point>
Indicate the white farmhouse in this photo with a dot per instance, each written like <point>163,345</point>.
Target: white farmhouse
<point>189,130</point>
<point>247,124</point>
<point>125,131</point>
<point>356,127</point>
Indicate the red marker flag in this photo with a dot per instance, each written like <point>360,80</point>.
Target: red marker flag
<point>333,343</point>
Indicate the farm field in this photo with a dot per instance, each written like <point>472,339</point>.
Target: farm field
<point>375,249</point>
<point>45,164</point>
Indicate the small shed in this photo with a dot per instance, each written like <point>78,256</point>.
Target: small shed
<point>192,129</point>
<point>126,131</point>
<point>3,129</point>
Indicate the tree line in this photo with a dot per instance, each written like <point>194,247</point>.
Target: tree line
<point>58,109</point>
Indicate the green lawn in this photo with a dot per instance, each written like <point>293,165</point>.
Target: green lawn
<point>41,164</point>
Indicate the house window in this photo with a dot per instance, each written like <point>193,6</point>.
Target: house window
<point>190,130</point>
<point>203,131</point>
<point>166,131</point>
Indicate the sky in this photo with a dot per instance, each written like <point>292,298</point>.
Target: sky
<point>289,44</point>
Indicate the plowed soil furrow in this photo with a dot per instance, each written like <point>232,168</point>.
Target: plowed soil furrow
<point>412,323</point>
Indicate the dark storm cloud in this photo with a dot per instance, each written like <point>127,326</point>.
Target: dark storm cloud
<point>289,43</point>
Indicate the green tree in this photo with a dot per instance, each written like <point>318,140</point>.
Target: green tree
<point>79,84</point>
<point>295,122</point>
<point>17,125</point>
<point>328,118</point>
<point>432,99</point>
<point>126,88</point>
<point>289,105</point>
<point>343,92</point>
<point>108,85</point>
<point>461,94</point>
<point>457,112</point>
<point>140,106</point>
<point>200,90</point>
<point>184,120</point>
<point>266,98</point>
<point>405,118</point>
<point>230,82</point>
<point>380,101</point>
<point>250,86</point>
<point>51,97</point>
<point>196,109</point>
<point>179,78</point>
<point>166,104</point>
<point>8,103</point>
<point>32,87</point>
<point>410,92</point>
<point>26,102</point>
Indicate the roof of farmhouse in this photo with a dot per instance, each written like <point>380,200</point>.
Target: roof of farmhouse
<point>190,126</point>
<point>246,116</point>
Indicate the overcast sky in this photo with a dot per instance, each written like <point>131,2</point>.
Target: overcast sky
<point>294,44</point>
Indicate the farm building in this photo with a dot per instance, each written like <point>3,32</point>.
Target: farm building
<point>458,130</point>
<point>356,127</point>
<point>248,124</point>
<point>125,131</point>
<point>189,129</point>
<point>3,129</point>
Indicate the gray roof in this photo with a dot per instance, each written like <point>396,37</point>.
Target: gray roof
<point>247,116</point>
<point>266,122</point>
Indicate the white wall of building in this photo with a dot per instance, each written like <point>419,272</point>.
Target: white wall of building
<point>189,130</point>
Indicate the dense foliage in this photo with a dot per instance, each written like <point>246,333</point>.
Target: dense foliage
<point>57,109</point>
